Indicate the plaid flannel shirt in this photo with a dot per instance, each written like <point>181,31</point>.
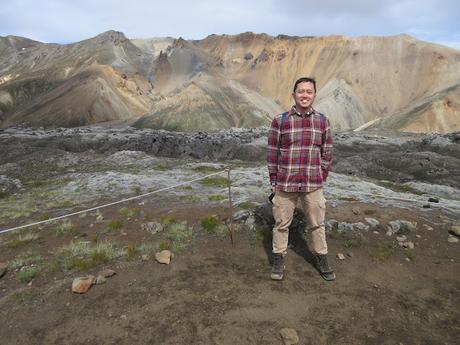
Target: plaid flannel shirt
<point>299,154</point>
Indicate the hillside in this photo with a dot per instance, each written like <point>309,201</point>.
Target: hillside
<point>396,82</point>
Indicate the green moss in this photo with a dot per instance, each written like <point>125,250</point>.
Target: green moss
<point>185,187</point>
<point>115,225</point>
<point>217,197</point>
<point>129,212</point>
<point>210,223</point>
<point>215,182</point>
<point>166,220</point>
<point>27,275</point>
<point>206,169</point>
<point>164,245</point>
<point>192,198</point>
<point>246,205</point>
<point>137,189</point>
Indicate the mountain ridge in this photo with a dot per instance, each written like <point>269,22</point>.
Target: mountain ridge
<point>245,79</point>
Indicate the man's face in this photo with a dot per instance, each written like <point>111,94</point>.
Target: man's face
<point>304,95</point>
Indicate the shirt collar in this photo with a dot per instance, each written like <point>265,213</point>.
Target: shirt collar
<point>294,111</point>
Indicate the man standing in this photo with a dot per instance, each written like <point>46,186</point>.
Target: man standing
<point>299,158</point>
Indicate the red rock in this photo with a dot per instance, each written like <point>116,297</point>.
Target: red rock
<point>82,284</point>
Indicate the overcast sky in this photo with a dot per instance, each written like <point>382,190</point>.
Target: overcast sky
<point>68,21</point>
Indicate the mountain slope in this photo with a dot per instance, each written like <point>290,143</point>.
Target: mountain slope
<point>394,82</point>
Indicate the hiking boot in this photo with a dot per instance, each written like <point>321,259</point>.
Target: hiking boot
<point>323,267</point>
<point>278,267</point>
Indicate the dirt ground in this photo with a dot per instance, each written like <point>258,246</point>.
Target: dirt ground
<point>216,293</point>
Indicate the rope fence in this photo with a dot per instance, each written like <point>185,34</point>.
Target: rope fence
<point>227,169</point>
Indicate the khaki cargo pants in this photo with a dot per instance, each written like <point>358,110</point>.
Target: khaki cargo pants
<point>314,207</point>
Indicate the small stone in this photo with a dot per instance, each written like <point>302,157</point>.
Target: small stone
<point>67,304</point>
<point>418,236</point>
<point>361,226</point>
<point>107,273</point>
<point>163,257</point>
<point>340,256</point>
<point>408,260</point>
<point>355,211</point>
<point>100,280</point>
<point>409,245</point>
<point>152,227</point>
<point>99,218</point>
<point>372,222</point>
<point>123,317</point>
<point>145,257</point>
<point>429,228</point>
<point>289,336</point>
<point>82,284</point>
<point>435,200</point>
<point>452,239</point>
<point>426,206</point>
<point>401,238</point>
<point>350,254</point>
<point>455,230</point>
<point>375,232</point>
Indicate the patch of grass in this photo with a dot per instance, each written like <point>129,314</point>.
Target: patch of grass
<point>137,189</point>
<point>3,195</point>
<point>164,167</point>
<point>83,256</point>
<point>180,234</point>
<point>25,296</point>
<point>188,187</point>
<point>206,169</point>
<point>348,198</point>
<point>131,251</point>
<point>210,223</point>
<point>129,212</point>
<point>22,239</point>
<point>215,182</point>
<point>166,220</point>
<point>164,245</point>
<point>409,253</point>
<point>192,198</point>
<point>354,242</point>
<point>115,225</point>
<point>246,205</point>
<point>150,248</point>
<point>66,227</point>
<point>217,197</point>
<point>27,275</point>
<point>383,252</point>
<point>66,203</point>
<point>24,259</point>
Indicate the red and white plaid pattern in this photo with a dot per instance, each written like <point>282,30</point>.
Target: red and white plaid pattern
<point>305,151</point>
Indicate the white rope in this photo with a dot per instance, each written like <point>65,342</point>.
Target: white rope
<point>110,204</point>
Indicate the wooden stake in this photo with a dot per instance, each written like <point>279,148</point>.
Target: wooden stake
<point>230,205</point>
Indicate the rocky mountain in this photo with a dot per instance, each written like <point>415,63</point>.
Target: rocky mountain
<point>223,81</point>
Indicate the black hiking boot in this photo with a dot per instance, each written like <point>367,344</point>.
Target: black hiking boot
<point>278,267</point>
<point>323,267</point>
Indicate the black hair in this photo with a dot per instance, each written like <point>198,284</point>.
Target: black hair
<point>305,80</point>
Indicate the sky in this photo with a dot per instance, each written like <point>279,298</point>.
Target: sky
<point>67,21</point>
